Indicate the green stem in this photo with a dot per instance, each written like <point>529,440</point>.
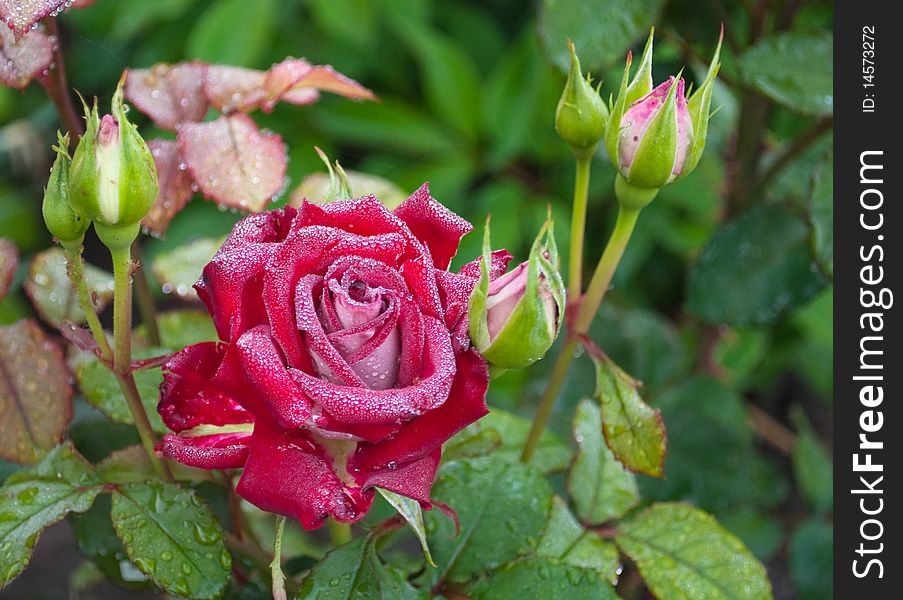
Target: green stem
<point>122,355</point>
<point>75,269</point>
<point>598,285</point>
<point>145,298</point>
<point>605,269</point>
<point>339,533</point>
<point>578,225</point>
<point>276,565</point>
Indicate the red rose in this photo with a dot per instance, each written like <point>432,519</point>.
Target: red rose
<point>344,363</point>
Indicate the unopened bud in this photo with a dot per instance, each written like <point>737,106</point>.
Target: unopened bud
<point>581,114</point>
<point>62,222</point>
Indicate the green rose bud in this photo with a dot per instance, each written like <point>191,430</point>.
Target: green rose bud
<point>113,177</point>
<point>62,222</point>
<point>654,136</point>
<point>515,318</point>
<point>581,114</point>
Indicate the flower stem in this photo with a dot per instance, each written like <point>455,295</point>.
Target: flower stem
<point>122,355</point>
<point>588,307</point>
<point>339,533</point>
<point>578,225</point>
<point>57,86</point>
<point>276,565</point>
<point>75,269</point>
<point>145,298</point>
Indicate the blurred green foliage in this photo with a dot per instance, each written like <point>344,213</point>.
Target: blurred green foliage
<point>724,296</point>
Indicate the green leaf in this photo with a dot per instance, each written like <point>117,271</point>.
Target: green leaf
<point>451,80</point>
<point>39,496</point>
<point>601,488</point>
<point>50,290</point>
<point>132,465</point>
<point>541,578</point>
<point>634,431</point>
<point>683,553</point>
<point>178,269</point>
<point>503,434</point>
<point>233,32</point>
<point>413,514</point>
<point>602,30</point>
<point>35,393</point>
<point>566,541</point>
<point>172,536</point>
<point>811,559</point>
<point>355,570</point>
<point>711,460</point>
<point>180,328</point>
<point>756,268</point>
<point>502,509</point>
<point>100,388</point>
<point>793,69</point>
<point>821,216</point>
<point>97,542</point>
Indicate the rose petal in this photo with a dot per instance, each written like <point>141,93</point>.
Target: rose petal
<point>207,452</point>
<point>466,404</point>
<point>385,407</point>
<point>289,475</point>
<point>265,370</point>
<point>169,94</point>
<point>233,162</point>
<point>175,186</point>
<point>23,60</point>
<point>436,226</point>
<point>413,479</point>
<point>187,397</point>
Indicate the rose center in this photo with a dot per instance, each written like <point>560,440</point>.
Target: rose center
<point>357,291</point>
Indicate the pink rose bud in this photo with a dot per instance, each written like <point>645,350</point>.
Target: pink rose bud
<point>514,319</point>
<point>655,136</point>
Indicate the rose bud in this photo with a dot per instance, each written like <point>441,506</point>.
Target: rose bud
<point>113,176</point>
<point>515,318</point>
<point>655,136</point>
<point>62,222</point>
<point>344,362</point>
<point>581,114</point>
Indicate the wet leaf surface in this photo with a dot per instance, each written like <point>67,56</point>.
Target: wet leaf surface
<point>51,292</point>
<point>179,269</point>
<point>794,69</point>
<point>411,511</point>
<point>169,94</point>
<point>23,60</point>
<point>35,392</point>
<point>503,509</point>
<point>233,162</point>
<point>754,269</point>
<point>541,578</point>
<point>601,488</point>
<point>684,554</point>
<point>39,496</point>
<point>566,541</point>
<point>633,430</point>
<point>171,535</point>
<point>20,16</point>
<point>175,186</point>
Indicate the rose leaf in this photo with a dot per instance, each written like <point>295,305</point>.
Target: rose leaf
<point>601,488</point>
<point>21,60</point>
<point>51,292</point>
<point>175,186</point>
<point>233,162</point>
<point>20,16</point>
<point>172,536</point>
<point>35,394</point>
<point>39,496</point>
<point>169,94</point>
<point>178,269</point>
<point>411,511</point>
<point>9,260</point>
<point>682,552</point>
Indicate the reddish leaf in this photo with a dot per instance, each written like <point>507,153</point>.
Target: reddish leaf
<point>9,260</point>
<point>233,162</point>
<point>21,15</point>
<point>169,94</point>
<point>175,186</point>
<point>320,77</point>
<point>81,3</point>
<point>35,394</point>
<point>23,60</point>
<point>231,89</point>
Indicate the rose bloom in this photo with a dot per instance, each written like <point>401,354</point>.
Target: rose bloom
<point>344,362</point>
